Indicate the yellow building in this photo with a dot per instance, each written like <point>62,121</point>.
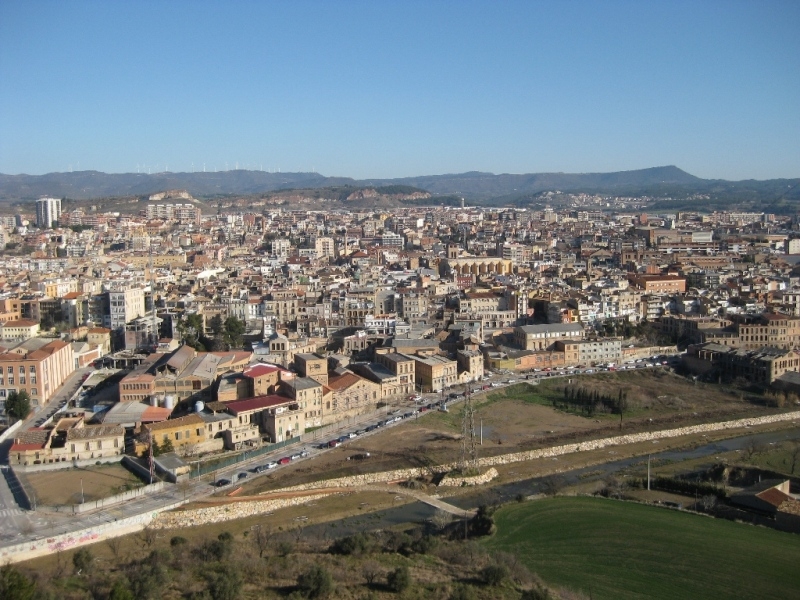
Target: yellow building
<point>435,373</point>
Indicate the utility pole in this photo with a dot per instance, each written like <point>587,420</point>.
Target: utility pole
<point>469,451</point>
<point>648,472</point>
<point>83,498</point>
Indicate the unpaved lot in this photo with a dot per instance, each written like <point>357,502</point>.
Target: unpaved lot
<point>55,488</point>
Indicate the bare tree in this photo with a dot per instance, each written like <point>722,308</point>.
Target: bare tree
<point>552,485</point>
<point>441,519</point>
<point>795,456</point>
<point>261,539</point>
<point>753,448</point>
<point>708,503</point>
<point>372,571</point>
<point>148,536</point>
<point>115,545</point>
<point>184,485</point>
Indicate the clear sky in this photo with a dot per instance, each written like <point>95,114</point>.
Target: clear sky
<point>401,88</point>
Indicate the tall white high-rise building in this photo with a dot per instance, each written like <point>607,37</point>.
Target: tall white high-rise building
<point>48,210</point>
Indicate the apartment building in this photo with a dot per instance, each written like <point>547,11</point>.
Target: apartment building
<point>48,211</point>
<point>38,366</point>
<point>20,329</point>
<point>541,337</point>
<point>124,306</point>
<point>435,373</point>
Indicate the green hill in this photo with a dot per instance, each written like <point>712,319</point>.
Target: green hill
<point>618,550</point>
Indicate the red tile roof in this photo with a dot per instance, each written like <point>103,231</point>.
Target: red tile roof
<point>257,403</point>
<point>773,496</point>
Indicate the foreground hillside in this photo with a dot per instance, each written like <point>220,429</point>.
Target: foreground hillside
<point>615,550</point>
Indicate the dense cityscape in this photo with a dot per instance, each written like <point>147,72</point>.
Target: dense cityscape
<point>423,301</point>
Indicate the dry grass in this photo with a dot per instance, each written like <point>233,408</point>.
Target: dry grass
<point>55,488</point>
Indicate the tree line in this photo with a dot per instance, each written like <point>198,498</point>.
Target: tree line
<point>587,402</point>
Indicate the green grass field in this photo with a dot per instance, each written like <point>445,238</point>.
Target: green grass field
<point>616,550</point>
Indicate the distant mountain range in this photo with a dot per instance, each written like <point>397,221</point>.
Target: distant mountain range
<point>476,187</point>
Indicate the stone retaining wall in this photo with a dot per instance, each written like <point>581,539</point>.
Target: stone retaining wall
<point>504,459</point>
<point>456,481</point>
<point>227,512</point>
<point>363,479</point>
<point>633,438</point>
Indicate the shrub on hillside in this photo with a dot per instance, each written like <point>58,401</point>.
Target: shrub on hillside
<point>315,582</point>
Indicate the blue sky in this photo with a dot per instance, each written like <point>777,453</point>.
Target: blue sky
<point>393,89</point>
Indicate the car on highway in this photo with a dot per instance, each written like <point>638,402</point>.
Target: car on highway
<point>222,482</point>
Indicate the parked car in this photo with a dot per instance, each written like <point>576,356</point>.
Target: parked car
<point>285,460</point>
<point>333,443</point>
<point>304,453</point>
<point>242,475</point>
<point>271,465</point>
<point>295,456</point>
<point>222,482</point>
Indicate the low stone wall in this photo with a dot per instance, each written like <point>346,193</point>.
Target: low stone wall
<point>68,464</point>
<point>504,459</point>
<point>363,479</point>
<point>227,512</point>
<point>456,481</point>
<point>634,438</point>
